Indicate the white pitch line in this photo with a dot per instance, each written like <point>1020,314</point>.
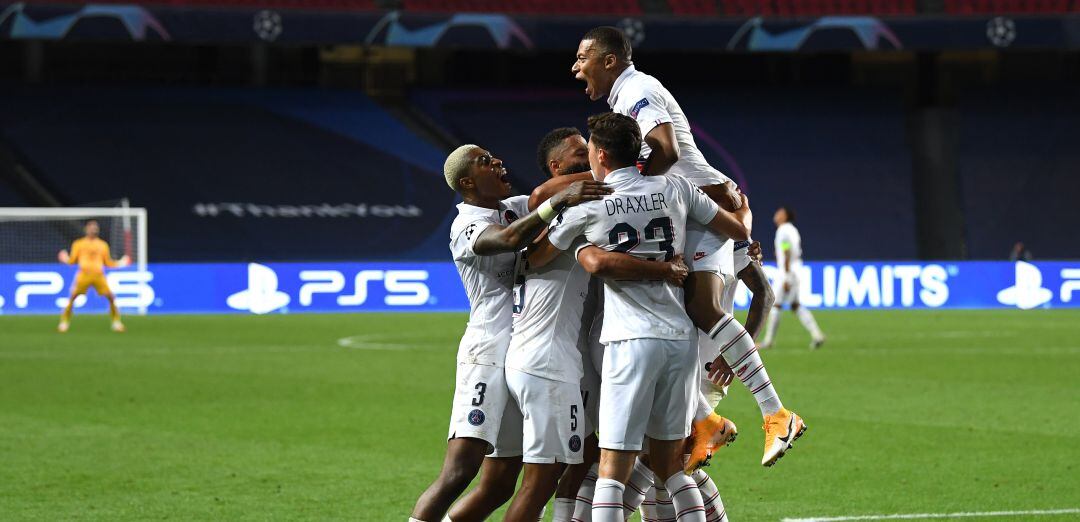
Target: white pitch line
<point>921,516</point>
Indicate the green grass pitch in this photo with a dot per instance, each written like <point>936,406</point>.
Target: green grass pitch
<point>270,418</point>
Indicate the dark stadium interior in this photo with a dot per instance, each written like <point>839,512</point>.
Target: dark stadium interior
<point>937,154</point>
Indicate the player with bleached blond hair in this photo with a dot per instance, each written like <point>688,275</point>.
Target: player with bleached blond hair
<point>485,239</point>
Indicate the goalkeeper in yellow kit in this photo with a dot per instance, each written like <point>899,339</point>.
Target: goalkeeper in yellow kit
<point>92,254</point>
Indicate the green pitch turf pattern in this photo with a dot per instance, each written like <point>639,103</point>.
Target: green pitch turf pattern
<point>270,418</point>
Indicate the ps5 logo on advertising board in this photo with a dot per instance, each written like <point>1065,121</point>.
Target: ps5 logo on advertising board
<point>131,288</point>
<point>1028,292</point>
<point>402,288</point>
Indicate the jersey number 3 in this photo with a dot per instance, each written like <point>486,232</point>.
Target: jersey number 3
<point>626,238</point>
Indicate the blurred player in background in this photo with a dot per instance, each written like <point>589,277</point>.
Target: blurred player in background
<point>92,254</point>
<point>788,246</point>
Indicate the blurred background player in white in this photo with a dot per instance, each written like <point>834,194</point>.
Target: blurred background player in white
<point>485,239</point>
<point>92,255</point>
<point>603,62</point>
<point>788,245</point>
<point>650,365</point>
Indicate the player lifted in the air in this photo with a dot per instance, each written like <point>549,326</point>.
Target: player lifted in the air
<point>649,376</point>
<point>604,63</point>
<point>788,244</point>
<point>485,238</point>
<point>91,253</point>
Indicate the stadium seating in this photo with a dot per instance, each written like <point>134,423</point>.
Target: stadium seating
<point>182,153</point>
<point>814,7</point>
<point>831,155</point>
<point>334,5</point>
<point>562,7</point>
<point>961,7</point>
<point>1018,161</point>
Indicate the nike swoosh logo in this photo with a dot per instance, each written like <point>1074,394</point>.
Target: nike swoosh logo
<point>790,430</point>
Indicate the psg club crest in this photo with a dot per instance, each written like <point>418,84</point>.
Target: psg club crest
<point>575,444</point>
<point>476,417</point>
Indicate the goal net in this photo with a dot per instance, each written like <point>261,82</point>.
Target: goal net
<point>36,235</point>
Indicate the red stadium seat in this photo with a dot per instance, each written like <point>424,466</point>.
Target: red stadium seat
<point>693,7</point>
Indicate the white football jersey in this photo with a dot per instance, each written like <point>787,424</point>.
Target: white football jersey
<point>788,242</point>
<point>548,306</point>
<point>645,99</point>
<point>645,217</point>
<point>488,281</point>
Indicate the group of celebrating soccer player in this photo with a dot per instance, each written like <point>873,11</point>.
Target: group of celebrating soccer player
<point>601,337</point>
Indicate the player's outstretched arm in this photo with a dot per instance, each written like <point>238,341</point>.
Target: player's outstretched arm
<point>616,265</point>
<point>665,149</point>
<point>552,186</point>
<point>735,225</point>
<point>496,240</point>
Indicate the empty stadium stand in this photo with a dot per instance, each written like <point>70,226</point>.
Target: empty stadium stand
<point>838,156</point>
<point>241,174</point>
<point>1018,162</point>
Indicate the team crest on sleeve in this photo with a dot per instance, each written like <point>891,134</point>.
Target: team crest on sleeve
<point>510,216</point>
<point>469,231</point>
<point>575,443</point>
<point>638,106</point>
<point>476,417</point>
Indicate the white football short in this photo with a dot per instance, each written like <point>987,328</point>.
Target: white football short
<point>552,418</point>
<point>740,255</point>
<point>792,293</point>
<point>649,388</point>
<point>707,251</point>
<point>481,399</point>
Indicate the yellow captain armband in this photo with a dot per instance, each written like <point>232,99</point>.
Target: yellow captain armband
<point>785,245</point>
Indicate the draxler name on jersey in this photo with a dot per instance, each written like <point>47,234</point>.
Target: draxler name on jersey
<point>643,203</point>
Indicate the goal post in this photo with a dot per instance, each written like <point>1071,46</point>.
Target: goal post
<point>34,235</point>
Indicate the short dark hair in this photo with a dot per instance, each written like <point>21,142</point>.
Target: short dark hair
<point>610,40</point>
<point>550,141</point>
<point>618,135</point>
<point>789,212</point>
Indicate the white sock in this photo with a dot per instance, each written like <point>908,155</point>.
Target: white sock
<point>665,511</point>
<point>583,502</point>
<point>704,409</point>
<point>411,519</point>
<point>738,350</point>
<point>648,506</point>
<point>446,518</point>
<point>686,498</point>
<point>641,479</point>
<point>714,507</point>
<point>564,509</point>
<point>607,503</point>
<point>541,517</point>
<point>770,325</point>
<point>808,322</point>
